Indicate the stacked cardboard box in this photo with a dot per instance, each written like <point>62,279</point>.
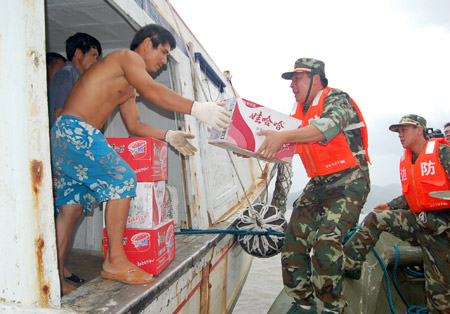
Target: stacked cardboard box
<point>148,158</point>
<point>150,249</point>
<point>248,119</point>
<point>149,239</point>
<point>145,155</point>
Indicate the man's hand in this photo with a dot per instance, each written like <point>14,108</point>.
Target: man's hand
<point>271,145</point>
<point>212,113</point>
<point>180,141</point>
<point>383,206</point>
<point>240,155</point>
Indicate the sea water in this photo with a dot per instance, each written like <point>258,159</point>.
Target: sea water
<point>264,283</point>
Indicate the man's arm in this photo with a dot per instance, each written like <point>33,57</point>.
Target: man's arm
<point>275,140</point>
<point>210,112</point>
<point>337,115</point>
<point>397,203</point>
<point>134,68</point>
<point>444,157</point>
<point>178,139</point>
<point>130,116</point>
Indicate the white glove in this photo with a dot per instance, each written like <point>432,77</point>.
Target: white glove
<point>212,113</point>
<point>179,140</point>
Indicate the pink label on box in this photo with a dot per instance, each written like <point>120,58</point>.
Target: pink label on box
<point>248,119</point>
<point>141,241</point>
<point>138,149</point>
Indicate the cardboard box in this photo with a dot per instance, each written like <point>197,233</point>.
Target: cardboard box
<point>145,155</point>
<point>150,249</point>
<point>248,119</point>
<point>148,208</point>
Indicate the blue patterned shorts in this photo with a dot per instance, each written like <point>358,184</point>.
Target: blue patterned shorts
<point>85,168</point>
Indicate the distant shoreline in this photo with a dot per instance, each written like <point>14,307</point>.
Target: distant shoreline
<point>378,194</point>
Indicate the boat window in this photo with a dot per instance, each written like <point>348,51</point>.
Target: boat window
<point>209,72</point>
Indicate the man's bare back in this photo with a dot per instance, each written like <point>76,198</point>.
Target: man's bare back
<point>100,90</point>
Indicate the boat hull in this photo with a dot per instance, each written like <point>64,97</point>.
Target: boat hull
<point>370,294</point>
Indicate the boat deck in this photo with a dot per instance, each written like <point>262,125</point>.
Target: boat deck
<point>85,264</point>
<point>97,295</point>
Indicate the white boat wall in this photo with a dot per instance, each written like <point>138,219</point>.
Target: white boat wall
<point>204,190</point>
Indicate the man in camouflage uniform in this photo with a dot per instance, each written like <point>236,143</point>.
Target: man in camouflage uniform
<point>429,229</point>
<point>331,203</point>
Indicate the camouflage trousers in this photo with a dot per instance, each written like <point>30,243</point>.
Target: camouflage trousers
<point>312,256</point>
<point>431,230</point>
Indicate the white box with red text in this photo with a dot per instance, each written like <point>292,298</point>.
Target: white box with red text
<point>248,119</point>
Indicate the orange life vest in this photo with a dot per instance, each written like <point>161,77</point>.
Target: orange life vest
<point>335,156</point>
<point>424,176</point>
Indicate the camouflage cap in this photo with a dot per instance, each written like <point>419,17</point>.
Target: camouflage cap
<point>410,119</point>
<point>306,65</point>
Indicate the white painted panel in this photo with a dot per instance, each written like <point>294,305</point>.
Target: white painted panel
<point>28,266</point>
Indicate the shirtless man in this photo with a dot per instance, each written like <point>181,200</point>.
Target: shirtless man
<point>85,165</point>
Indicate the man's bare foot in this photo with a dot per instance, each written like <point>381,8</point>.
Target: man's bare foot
<point>132,276</point>
<point>66,288</point>
<point>125,271</point>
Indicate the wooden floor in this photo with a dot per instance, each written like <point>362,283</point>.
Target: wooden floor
<point>95,295</point>
<point>85,264</point>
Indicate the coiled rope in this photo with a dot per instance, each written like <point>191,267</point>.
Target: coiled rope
<point>386,275</point>
<point>411,272</point>
<point>411,309</point>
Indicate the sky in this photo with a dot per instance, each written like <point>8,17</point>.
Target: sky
<point>391,56</point>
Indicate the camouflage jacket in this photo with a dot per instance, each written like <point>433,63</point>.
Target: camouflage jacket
<point>338,113</point>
